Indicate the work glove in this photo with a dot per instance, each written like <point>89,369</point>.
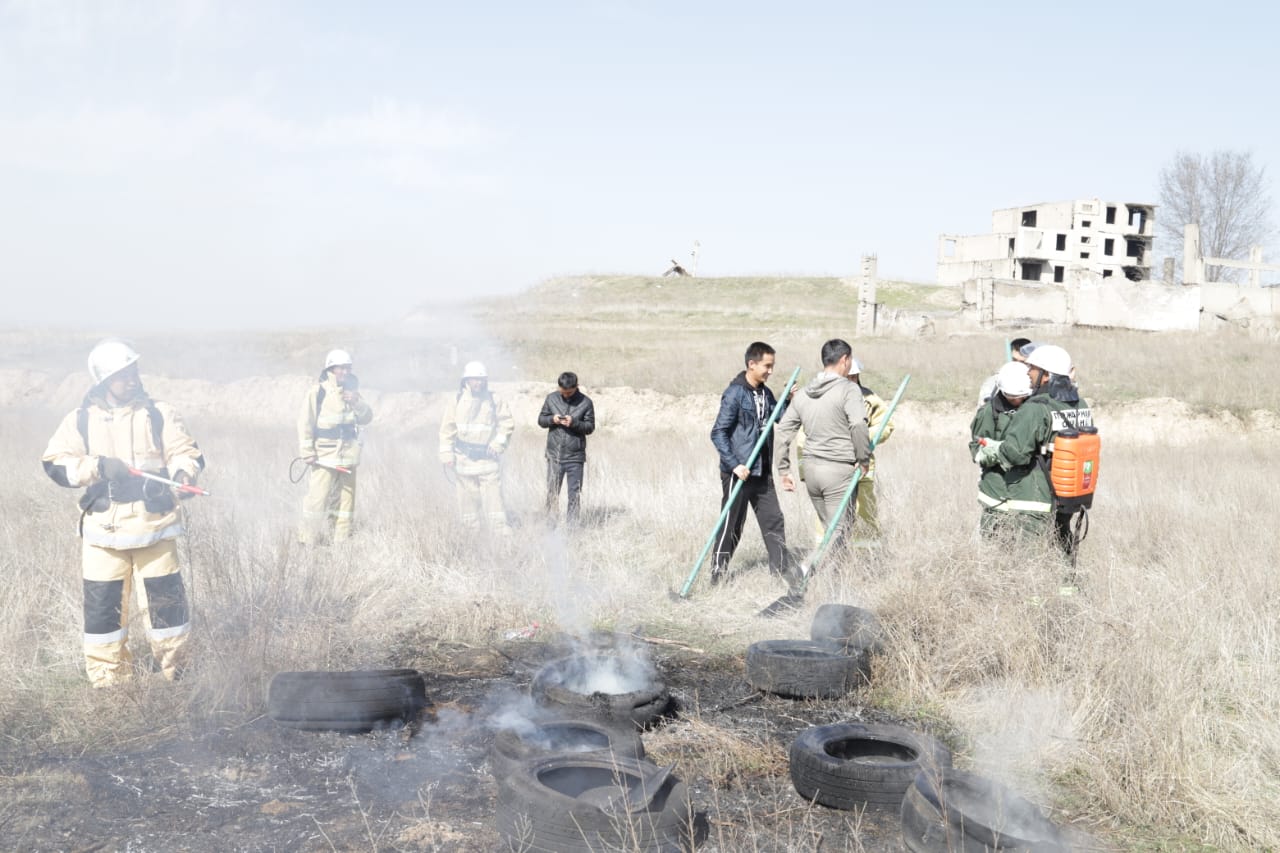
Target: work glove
<point>988,454</point>
<point>182,479</point>
<point>113,469</point>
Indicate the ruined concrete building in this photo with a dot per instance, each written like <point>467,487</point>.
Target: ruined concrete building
<point>1045,242</point>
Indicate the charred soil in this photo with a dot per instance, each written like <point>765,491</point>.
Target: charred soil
<point>249,784</point>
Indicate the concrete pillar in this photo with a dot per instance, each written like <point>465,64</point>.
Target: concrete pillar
<point>1255,274</point>
<point>1192,260</point>
<point>867,297</point>
<point>987,302</point>
<point>1168,270</point>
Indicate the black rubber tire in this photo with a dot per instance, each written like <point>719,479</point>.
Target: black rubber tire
<point>852,629</point>
<point>952,812</point>
<point>541,808</point>
<point>562,736</point>
<point>639,708</point>
<point>803,669</point>
<point>850,765</point>
<point>359,700</point>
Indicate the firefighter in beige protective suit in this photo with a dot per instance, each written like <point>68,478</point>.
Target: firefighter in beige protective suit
<point>129,524</point>
<point>329,441</point>
<point>474,434</point>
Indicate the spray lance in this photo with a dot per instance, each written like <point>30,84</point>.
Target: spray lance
<point>184,488</point>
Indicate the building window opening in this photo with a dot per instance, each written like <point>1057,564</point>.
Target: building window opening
<point>1031,271</point>
<point>1028,219</point>
<point>949,248</point>
<point>1084,256</point>
<point>1109,247</point>
<point>1084,239</point>
<point>1111,216</point>
<point>1057,274</point>
<point>1107,273</point>
<point>1137,219</point>
<point>1133,249</point>
<point>1061,245</point>
<point>1088,223</point>
<point>1011,247</point>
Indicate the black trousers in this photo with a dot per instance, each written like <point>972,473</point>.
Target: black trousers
<point>557,472</point>
<point>758,492</point>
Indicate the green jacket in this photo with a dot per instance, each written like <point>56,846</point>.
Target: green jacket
<point>1028,446</point>
<point>991,422</point>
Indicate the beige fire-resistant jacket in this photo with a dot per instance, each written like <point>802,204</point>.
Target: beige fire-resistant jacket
<point>474,432</point>
<point>127,433</point>
<point>327,428</point>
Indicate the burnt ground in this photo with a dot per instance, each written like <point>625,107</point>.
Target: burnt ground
<point>253,785</point>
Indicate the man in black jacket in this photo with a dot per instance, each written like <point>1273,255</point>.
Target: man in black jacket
<point>744,407</point>
<point>569,417</point>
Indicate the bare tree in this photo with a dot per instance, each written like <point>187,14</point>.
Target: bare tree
<point>1226,193</point>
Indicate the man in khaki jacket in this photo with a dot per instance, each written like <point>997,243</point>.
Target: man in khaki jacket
<point>329,441</point>
<point>129,524</point>
<point>474,433</point>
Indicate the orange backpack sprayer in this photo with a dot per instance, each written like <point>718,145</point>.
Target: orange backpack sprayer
<point>1073,476</point>
<point>1074,470</point>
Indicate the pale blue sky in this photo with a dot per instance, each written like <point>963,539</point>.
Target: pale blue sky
<point>195,164</point>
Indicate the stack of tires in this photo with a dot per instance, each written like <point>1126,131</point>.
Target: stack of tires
<point>892,769</point>
<point>835,660</point>
<point>576,779</point>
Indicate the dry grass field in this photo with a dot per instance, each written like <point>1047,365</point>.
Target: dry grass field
<point>1144,712</point>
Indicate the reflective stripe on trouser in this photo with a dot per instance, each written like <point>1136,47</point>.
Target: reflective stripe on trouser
<point>330,505</point>
<point>108,581</point>
<point>1010,505</point>
<point>480,496</point>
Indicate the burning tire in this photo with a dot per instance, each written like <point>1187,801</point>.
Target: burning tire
<point>567,804</point>
<point>584,738</point>
<point>851,629</point>
<point>958,811</point>
<point>346,701</point>
<point>604,687</point>
<point>803,668</point>
<point>848,765</point>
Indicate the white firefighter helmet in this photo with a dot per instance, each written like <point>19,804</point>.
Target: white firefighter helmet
<point>1051,359</point>
<point>337,358</point>
<point>1014,380</point>
<point>475,370</point>
<point>110,357</point>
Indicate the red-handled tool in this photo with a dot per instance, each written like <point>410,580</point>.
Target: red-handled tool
<point>182,487</point>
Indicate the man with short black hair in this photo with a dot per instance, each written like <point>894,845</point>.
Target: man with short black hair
<point>745,406</point>
<point>1019,349</point>
<point>569,417</point>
